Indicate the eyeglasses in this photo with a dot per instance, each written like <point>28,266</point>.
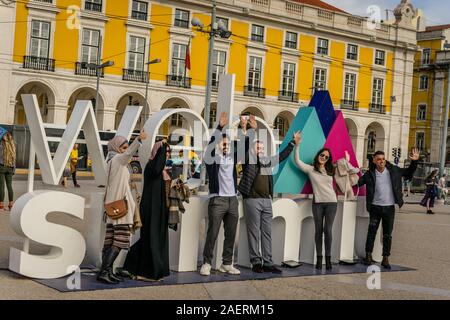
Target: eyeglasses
<point>324,156</point>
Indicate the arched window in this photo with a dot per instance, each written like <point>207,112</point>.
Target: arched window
<point>280,125</point>
<point>371,142</point>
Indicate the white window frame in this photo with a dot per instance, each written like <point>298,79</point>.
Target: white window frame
<point>129,52</point>
<point>418,112</point>
<point>286,38</point>
<point>171,60</point>
<point>375,58</point>
<point>94,12</point>
<point>355,87</point>
<point>99,46</point>
<point>382,90</point>
<point>347,52</point>
<point>261,85</point>
<point>263,34</point>
<point>216,66</point>
<point>328,46</point>
<point>420,88</point>
<point>294,84</point>
<point>147,12</point>
<point>45,16</point>
<point>424,141</point>
<point>41,22</point>
<point>189,18</point>
<point>422,60</point>
<point>314,77</point>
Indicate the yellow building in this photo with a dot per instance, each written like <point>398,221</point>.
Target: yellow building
<point>430,93</point>
<point>281,51</point>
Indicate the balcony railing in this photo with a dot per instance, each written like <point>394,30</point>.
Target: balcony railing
<point>47,1</point>
<point>83,69</point>
<point>135,75</point>
<point>349,104</point>
<point>178,81</point>
<point>257,92</point>
<point>377,108</point>
<point>38,63</point>
<point>288,96</point>
<point>92,6</point>
<point>424,63</point>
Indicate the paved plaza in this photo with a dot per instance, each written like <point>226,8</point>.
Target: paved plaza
<point>420,241</point>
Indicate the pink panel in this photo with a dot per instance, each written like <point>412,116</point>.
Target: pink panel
<point>339,141</point>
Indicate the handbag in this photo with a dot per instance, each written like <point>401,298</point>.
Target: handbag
<point>116,209</point>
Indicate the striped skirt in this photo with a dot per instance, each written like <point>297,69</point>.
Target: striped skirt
<point>117,235</point>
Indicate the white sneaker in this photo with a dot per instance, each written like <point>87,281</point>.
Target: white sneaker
<point>205,269</point>
<point>229,269</point>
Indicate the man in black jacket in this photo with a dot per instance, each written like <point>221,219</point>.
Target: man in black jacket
<point>384,189</point>
<point>256,187</point>
<point>223,202</point>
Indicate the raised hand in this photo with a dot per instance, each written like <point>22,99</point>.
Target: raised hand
<point>414,155</point>
<point>143,135</point>
<point>297,138</point>
<point>223,119</point>
<point>347,155</point>
<point>252,122</point>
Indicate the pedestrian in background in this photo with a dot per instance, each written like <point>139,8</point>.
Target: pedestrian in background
<point>73,164</point>
<point>443,187</point>
<point>431,191</point>
<point>7,168</point>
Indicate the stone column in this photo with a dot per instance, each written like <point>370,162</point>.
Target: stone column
<point>57,114</point>
<point>436,116</point>
<point>359,149</point>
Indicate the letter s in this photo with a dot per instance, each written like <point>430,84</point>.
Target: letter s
<point>28,219</point>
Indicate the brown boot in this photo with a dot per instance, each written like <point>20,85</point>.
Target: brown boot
<point>368,260</point>
<point>385,263</point>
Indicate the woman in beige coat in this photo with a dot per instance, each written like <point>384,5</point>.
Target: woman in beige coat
<point>118,232</point>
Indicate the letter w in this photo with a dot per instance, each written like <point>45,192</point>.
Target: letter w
<point>83,117</point>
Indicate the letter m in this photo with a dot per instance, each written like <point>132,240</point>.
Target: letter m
<point>83,117</point>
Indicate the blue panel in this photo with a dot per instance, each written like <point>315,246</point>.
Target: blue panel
<point>287,176</point>
<point>321,100</point>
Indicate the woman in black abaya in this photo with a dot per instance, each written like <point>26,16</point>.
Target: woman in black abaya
<point>148,258</point>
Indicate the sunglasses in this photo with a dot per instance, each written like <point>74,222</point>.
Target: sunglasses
<point>324,156</point>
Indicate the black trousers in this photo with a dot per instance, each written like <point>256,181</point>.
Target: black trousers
<point>385,215</point>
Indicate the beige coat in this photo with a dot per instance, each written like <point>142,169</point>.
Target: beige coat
<point>346,176</point>
<point>119,182</point>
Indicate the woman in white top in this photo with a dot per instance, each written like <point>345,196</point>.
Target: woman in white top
<point>325,200</point>
<point>118,232</point>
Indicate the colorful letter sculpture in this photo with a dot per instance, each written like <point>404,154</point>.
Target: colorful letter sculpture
<point>321,126</point>
<point>288,178</point>
<point>321,100</point>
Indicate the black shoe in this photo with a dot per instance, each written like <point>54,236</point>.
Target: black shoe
<point>123,273</point>
<point>104,276</point>
<point>368,260</point>
<point>328,263</point>
<point>115,276</point>
<point>272,269</point>
<point>429,211</point>
<point>385,263</point>
<point>257,268</point>
<point>319,263</point>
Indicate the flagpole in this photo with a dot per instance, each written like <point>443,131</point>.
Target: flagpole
<point>188,53</point>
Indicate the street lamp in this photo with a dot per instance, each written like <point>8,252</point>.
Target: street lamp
<point>97,68</point>
<point>146,87</point>
<point>215,30</point>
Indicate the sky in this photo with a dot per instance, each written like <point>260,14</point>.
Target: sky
<point>436,11</point>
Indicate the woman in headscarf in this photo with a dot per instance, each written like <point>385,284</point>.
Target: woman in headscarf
<point>148,258</point>
<point>118,231</point>
<point>7,167</point>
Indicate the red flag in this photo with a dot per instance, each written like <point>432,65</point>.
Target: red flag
<point>188,59</point>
